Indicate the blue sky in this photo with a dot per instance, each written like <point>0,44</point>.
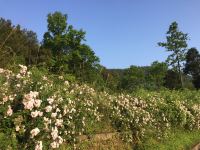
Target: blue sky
<point>121,32</point>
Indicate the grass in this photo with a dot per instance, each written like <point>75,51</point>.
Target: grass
<point>114,143</point>
<point>177,140</point>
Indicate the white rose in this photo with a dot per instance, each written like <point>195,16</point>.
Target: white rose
<point>38,145</point>
<point>34,114</point>
<point>17,128</point>
<point>54,145</point>
<point>48,108</point>
<point>50,100</point>
<point>9,111</point>
<point>53,115</point>
<point>37,103</point>
<point>34,132</point>
<point>54,133</point>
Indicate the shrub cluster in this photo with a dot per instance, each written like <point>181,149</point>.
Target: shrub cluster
<point>40,111</point>
<point>43,112</point>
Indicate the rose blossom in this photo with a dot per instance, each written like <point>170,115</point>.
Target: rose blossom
<point>9,111</point>
<point>5,99</point>
<point>36,113</point>
<point>17,128</point>
<point>57,110</point>
<point>59,122</point>
<point>54,133</point>
<point>28,105</point>
<point>29,100</point>
<point>48,108</point>
<point>18,85</point>
<point>38,145</point>
<point>37,103</point>
<point>60,140</point>
<point>40,113</point>
<point>1,70</point>
<point>54,145</point>
<point>23,69</point>
<point>50,100</point>
<point>34,132</point>
<point>53,115</point>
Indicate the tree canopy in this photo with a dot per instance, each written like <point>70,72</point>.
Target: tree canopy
<point>192,66</point>
<point>19,45</point>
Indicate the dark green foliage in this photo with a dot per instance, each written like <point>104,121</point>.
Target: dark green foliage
<point>196,82</point>
<point>112,78</point>
<point>171,80</point>
<point>192,66</point>
<point>156,74</point>
<point>81,60</point>
<point>151,77</point>
<point>19,46</point>
<point>134,78</point>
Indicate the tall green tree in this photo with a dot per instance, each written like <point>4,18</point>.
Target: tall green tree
<point>70,54</point>
<point>61,38</point>
<point>176,44</point>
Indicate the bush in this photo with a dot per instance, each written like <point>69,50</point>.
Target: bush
<point>44,111</point>
<point>39,110</point>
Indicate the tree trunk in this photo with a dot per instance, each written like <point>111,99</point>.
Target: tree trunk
<point>37,58</point>
<point>180,74</point>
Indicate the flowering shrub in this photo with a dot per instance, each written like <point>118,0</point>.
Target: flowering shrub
<point>153,113</point>
<point>43,111</point>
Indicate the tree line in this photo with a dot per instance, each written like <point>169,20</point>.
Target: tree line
<point>63,51</point>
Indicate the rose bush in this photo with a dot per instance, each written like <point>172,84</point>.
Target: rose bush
<point>42,111</point>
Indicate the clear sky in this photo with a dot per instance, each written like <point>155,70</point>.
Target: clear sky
<point>121,32</point>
